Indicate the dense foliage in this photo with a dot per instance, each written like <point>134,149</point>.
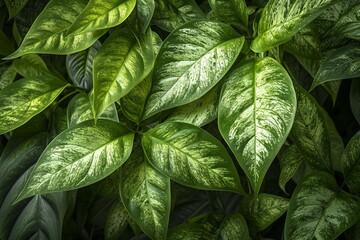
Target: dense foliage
<point>180,119</point>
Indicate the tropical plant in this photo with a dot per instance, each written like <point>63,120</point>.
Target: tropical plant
<point>179,119</point>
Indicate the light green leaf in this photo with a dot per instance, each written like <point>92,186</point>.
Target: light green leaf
<point>348,24</point>
<point>355,99</point>
<point>116,221</point>
<point>80,66</point>
<point>99,15</point>
<point>47,33</point>
<point>256,112</point>
<point>234,227</point>
<point>119,66</point>
<point>319,209</point>
<point>310,132</point>
<point>15,6</point>
<point>142,15</point>
<point>6,46</point>
<point>290,161</point>
<point>32,65</point>
<point>262,210</point>
<point>280,20</point>
<point>342,63</point>
<point>25,98</point>
<point>351,163</point>
<point>79,110</point>
<point>190,62</point>
<point>171,14</point>
<point>146,195</point>
<point>190,156</point>
<point>7,75</point>
<point>80,156</point>
<point>231,11</point>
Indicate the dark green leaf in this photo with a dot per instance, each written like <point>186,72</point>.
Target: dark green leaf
<point>116,221</point>
<point>231,11</point>
<point>191,231</point>
<point>15,6</point>
<point>32,65</point>
<point>234,227</point>
<point>6,46</point>
<point>7,75</point>
<point>355,99</point>
<point>351,163</point>
<point>348,24</point>
<point>142,15</point>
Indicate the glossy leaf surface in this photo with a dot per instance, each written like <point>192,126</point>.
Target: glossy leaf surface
<point>351,163</point>
<point>6,46</point>
<point>256,112</point>
<point>231,11</point>
<point>319,209</point>
<point>25,98</point>
<point>190,62</point>
<point>32,65</point>
<point>146,195</point>
<point>190,156</point>
<point>234,227</point>
<point>349,23</point>
<point>116,222</point>
<point>142,15</point>
<point>7,75</point>
<point>79,157</point>
<point>15,6</point>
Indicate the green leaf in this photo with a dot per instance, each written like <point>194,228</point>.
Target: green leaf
<point>171,14</point>
<point>7,75</point>
<point>281,20</point>
<point>342,63</point>
<point>234,227</point>
<point>81,155</point>
<point>79,110</point>
<point>6,46</point>
<point>231,11</point>
<point>15,6</point>
<point>142,15</point>
<point>191,231</point>
<point>319,209</point>
<point>119,66</point>
<point>80,66</point>
<point>310,132</point>
<point>290,161</point>
<point>47,33</point>
<point>100,15</point>
<point>32,65</point>
<point>351,163</point>
<point>348,24</point>
<point>262,210</point>
<point>116,221</point>
<point>25,98</point>
<point>256,112</point>
<point>355,99</point>
<point>190,156</point>
<point>146,195</point>
<point>190,62</point>
<point>353,232</point>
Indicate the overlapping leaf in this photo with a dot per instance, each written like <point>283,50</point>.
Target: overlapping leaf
<point>15,6</point>
<point>7,75</point>
<point>32,65</point>
<point>6,46</point>
<point>231,11</point>
<point>351,163</point>
<point>349,23</point>
<point>25,98</point>
<point>256,112</point>
<point>146,195</point>
<point>190,62</point>
<point>119,66</point>
<point>319,209</point>
<point>142,15</point>
<point>355,99</point>
<point>190,156</point>
<point>79,157</point>
<point>116,222</point>
<point>234,227</point>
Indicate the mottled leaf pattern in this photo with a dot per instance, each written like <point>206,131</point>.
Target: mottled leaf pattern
<point>32,65</point>
<point>319,209</point>
<point>256,112</point>
<point>116,221</point>
<point>119,66</point>
<point>234,227</point>
<point>349,23</point>
<point>351,163</point>
<point>280,20</point>
<point>79,157</point>
<point>190,156</point>
<point>15,6</point>
<point>7,75</point>
<point>191,231</point>
<point>142,15</point>
<point>25,98</point>
<point>231,11</point>
<point>190,62</point>
<point>146,195</point>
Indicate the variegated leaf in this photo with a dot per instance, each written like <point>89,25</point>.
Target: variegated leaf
<point>7,75</point>
<point>190,62</point>
<point>80,156</point>
<point>145,193</point>
<point>80,66</point>
<point>231,11</point>
<point>256,112</point>
<point>142,15</point>
<point>15,6</point>
<point>119,66</point>
<point>190,156</point>
<point>116,222</point>
<point>171,14</point>
<point>310,132</point>
<point>348,24</point>
<point>79,110</point>
<point>25,98</point>
<point>32,65</point>
<point>191,231</point>
<point>351,163</point>
<point>355,99</point>
<point>234,227</point>
<point>47,33</point>
<point>260,211</point>
<point>281,20</point>
<point>342,63</point>
<point>99,15</point>
<point>319,209</point>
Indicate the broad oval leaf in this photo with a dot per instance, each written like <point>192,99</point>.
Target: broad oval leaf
<point>7,75</point>
<point>15,6</point>
<point>80,156</point>
<point>319,209</point>
<point>262,210</point>
<point>145,193</point>
<point>190,156</point>
<point>190,62</point>
<point>99,15</point>
<point>79,110</point>
<point>348,24</point>
<point>116,221</point>
<point>119,66</point>
<point>32,65</point>
<point>142,15</point>
<point>47,33</point>
<point>231,11</point>
<point>234,227</point>
<point>351,163</point>
<point>280,20</point>
<point>80,66</point>
<point>256,112</point>
<point>25,98</point>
